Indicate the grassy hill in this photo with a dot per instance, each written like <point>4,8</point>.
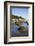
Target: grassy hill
<point>16,17</point>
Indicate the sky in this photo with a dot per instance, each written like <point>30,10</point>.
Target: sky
<point>23,12</point>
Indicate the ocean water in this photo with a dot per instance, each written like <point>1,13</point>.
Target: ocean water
<point>14,28</point>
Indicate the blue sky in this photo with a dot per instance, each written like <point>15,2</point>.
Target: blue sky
<point>23,12</point>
